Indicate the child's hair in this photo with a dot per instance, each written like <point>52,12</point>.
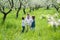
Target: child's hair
<point>22,18</point>
<point>33,17</point>
<point>28,14</point>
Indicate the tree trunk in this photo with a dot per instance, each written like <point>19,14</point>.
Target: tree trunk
<point>24,11</point>
<point>57,9</point>
<point>18,9</point>
<point>17,13</point>
<point>4,17</point>
<point>47,7</point>
<point>3,8</point>
<point>31,9</point>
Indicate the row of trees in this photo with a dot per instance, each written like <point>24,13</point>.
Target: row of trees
<point>9,4</point>
<point>18,4</point>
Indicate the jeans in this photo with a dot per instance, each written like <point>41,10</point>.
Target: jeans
<point>23,28</point>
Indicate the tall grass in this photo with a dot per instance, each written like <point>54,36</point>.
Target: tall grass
<point>11,29</point>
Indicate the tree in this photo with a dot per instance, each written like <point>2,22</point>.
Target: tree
<point>47,4</point>
<point>24,3</point>
<point>56,7</point>
<point>6,13</point>
<point>20,4</point>
<point>55,4</point>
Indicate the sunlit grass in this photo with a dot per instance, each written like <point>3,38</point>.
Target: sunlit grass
<point>11,29</point>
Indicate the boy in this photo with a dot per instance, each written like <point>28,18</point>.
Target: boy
<point>23,24</point>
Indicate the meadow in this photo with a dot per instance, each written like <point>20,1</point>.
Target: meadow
<point>11,29</point>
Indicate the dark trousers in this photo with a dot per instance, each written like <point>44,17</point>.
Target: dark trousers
<point>23,28</point>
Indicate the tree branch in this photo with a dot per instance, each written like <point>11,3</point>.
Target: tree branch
<point>11,7</point>
<point>9,2</point>
<point>2,11</point>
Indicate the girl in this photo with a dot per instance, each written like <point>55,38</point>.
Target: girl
<point>28,21</point>
<point>33,23</point>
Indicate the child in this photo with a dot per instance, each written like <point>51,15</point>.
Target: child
<point>23,24</point>
<point>33,22</point>
<point>28,21</point>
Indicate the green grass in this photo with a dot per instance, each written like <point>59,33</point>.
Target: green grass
<point>11,29</point>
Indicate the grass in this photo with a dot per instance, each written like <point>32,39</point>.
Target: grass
<point>11,30</point>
